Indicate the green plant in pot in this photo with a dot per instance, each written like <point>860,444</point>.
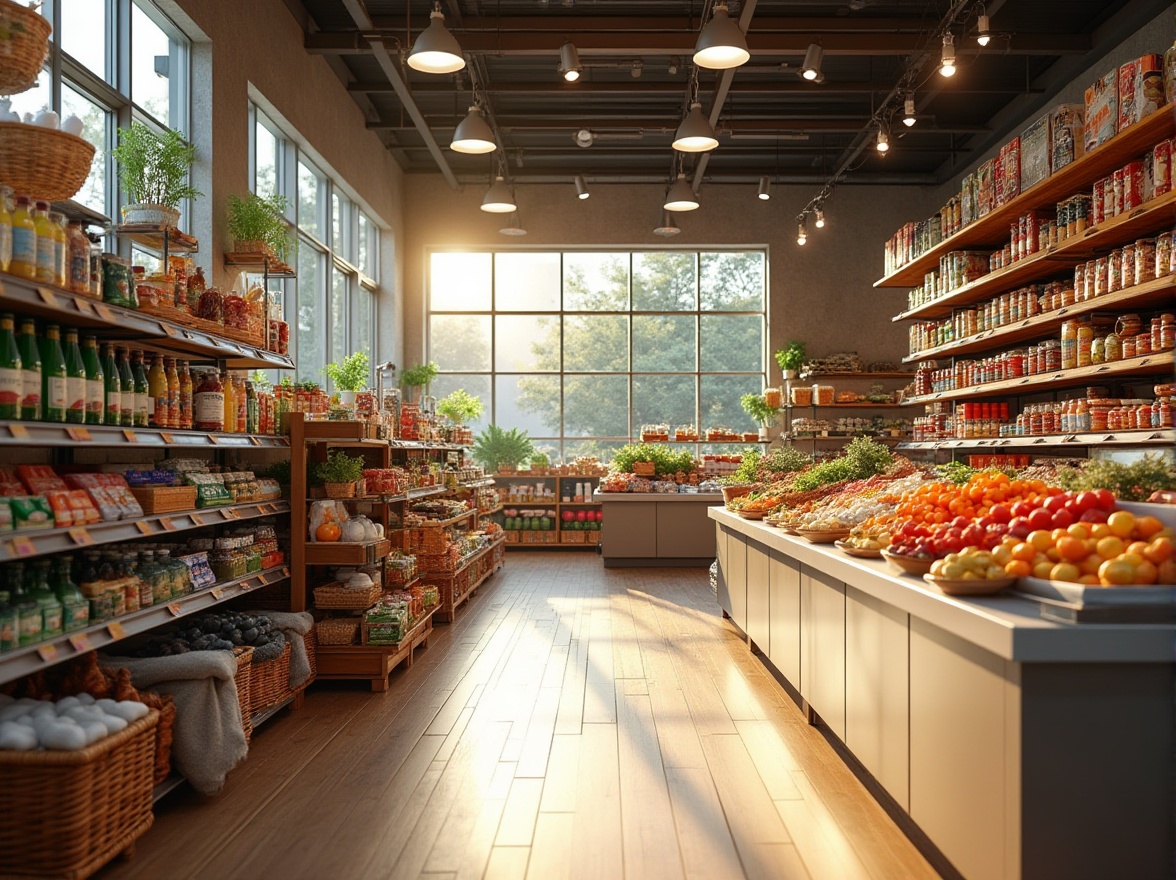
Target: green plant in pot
<point>418,377</point>
<point>340,473</point>
<point>349,377</point>
<point>154,169</point>
<point>258,225</point>
<point>791,359</point>
<point>460,407</point>
<point>496,449</point>
<point>757,407</point>
<point>539,462</point>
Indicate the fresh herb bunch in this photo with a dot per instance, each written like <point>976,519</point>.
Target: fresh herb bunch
<point>863,458</point>
<point>792,357</point>
<point>280,471</point>
<point>153,168</point>
<point>1129,482</point>
<point>955,472</point>
<point>664,461</point>
<point>494,447</point>
<point>783,460</point>
<point>757,407</point>
<point>460,407</point>
<point>257,218</point>
<point>352,374</point>
<point>539,459</point>
<point>340,468</point>
<point>420,375</point>
<point>748,470</point>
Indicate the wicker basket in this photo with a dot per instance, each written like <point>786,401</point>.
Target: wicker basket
<point>269,682</point>
<point>66,814</point>
<point>244,655</point>
<point>644,468</point>
<point>429,541</point>
<point>338,630</point>
<point>165,499</point>
<point>339,490</point>
<point>26,47</point>
<point>341,598</point>
<point>310,640</point>
<point>46,162</point>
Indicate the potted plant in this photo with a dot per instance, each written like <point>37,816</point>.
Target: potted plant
<point>460,407</point>
<point>539,463</point>
<point>349,377</point>
<point>419,377</point>
<point>791,359</point>
<point>340,473</point>
<point>499,450</point>
<point>154,170</point>
<point>757,407</point>
<point>258,225</point>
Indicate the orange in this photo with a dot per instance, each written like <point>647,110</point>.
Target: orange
<point>1159,550</point>
<point>1041,540</point>
<point>1121,523</point>
<point>1090,564</point>
<point>1132,559</point>
<point>1053,555</point>
<point>1137,547</point>
<point>1110,547</point>
<point>1065,571</point>
<point>1072,549</point>
<point>1024,552</point>
<point>1146,573</point>
<point>1018,568</point>
<point>1090,580</point>
<point>1098,531</point>
<point>1116,573</point>
<point>1058,534</point>
<point>1146,526</point>
<point>1002,554</point>
<point>1042,570</point>
<point>1078,530</point>
<point>328,531</point>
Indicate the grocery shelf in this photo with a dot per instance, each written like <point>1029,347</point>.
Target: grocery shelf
<point>850,374</point>
<point>33,658</point>
<point>1149,437</point>
<point>259,264</point>
<point>852,405</point>
<point>1148,365</point>
<point>993,228</point>
<point>1116,231</point>
<point>373,663</point>
<point>442,523</point>
<point>57,434</point>
<point>343,553</point>
<point>29,544</point>
<point>158,238</point>
<point>1158,292</point>
<point>840,437</point>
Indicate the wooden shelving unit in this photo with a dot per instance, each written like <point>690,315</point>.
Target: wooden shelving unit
<point>1054,443</point>
<point>557,504</point>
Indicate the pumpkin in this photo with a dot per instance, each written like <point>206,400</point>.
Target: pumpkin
<point>328,531</point>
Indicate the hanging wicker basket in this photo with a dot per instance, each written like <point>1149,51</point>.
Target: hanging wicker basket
<point>23,46</point>
<point>44,163</point>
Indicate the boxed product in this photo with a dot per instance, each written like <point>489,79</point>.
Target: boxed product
<point>1102,111</point>
<point>30,512</point>
<point>968,199</point>
<point>10,483</point>
<point>1010,167</point>
<point>39,478</point>
<point>1067,135</point>
<point>1141,89</point>
<point>998,179</point>
<point>1036,151</point>
<point>110,494</point>
<point>985,192</point>
<point>1161,168</point>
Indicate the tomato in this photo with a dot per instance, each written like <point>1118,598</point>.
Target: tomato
<point>1122,523</point>
<point>1086,501</point>
<point>1105,499</point>
<point>1146,526</point>
<point>1116,573</point>
<point>1024,552</point>
<point>1065,571</point>
<point>1062,519</point>
<point>1071,549</point>
<point>972,536</point>
<point>1096,515</point>
<point>1041,540</point>
<point>1166,572</point>
<point>1041,519</point>
<point>1054,503</point>
<point>1000,513</point>
<point>1042,569</point>
<point>1159,550</point>
<point>985,521</point>
<point>1020,527</point>
<point>1018,568</point>
<point>960,522</point>
<point>1110,547</point>
<point>1078,530</point>
<point>1146,573</point>
<point>1021,509</point>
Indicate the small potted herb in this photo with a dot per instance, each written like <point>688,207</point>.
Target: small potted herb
<point>155,170</point>
<point>349,377</point>
<point>791,359</point>
<point>757,407</point>
<point>419,377</point>
<point>539,463</point>
<point>460,407</point>
<point>340,473</point>
<point>258,225</point>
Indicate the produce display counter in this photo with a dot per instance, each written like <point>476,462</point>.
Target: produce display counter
<point>654,529</point>
<point>1020,746</point>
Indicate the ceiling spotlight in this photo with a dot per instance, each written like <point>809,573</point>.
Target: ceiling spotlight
<point>581,187</point>
<point>681,196</point>
<point>668,227</point>
<point>820,224</point>
<point>721,45</point>
<point>473,134</point>
<point>811,69</point>
<point>569,62</point>
<point>983,34</point>
<point>514,227</point>
<point>498,199</point>
<point>908,110</point>
<point>764,187</point>
<point>674,64</point>
<point>695,133</point>
<point>584,138</point>
<point>436,50</point>
<point>947,61</point>
<point>801,233</point>
<point>637,68</point>
<point>883,144</point>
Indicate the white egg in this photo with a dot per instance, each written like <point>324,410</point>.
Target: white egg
<point>25,721</point>
<point>45,710</point>
<point>67,703</point>
<point>11,713</point>
<point>86,699</point>
<point>63,736</point>
<point>129,710</point>
<point>84,713</point>
<point>113,723</point>
<point>46,119</point>
<point>94,730</point>
<point>18,738</point>
<point>106,705</point>
<point>72,125</point>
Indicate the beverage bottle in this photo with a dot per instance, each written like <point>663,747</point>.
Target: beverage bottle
<point>185,396</point>
<point>11,375</point>
<point>95,386</point>
<point>142,391</point>
<point>5,228</point>
<point>60,249</point>
<point>242,402</point>
<point>157,405</point>
<point>24,240</point>
<point>46,244</point>
<point>75,608</point>
<point>173,393</point>
<point>37,587</point>
<point>230,414</point>
<point>113,384</point>
<point>54,392</point>
<point>208,402</point>
<point>75,380</point>
<point>30,619</point>
<point>30,363</point>
<point>252,410</point>
<point>126,383</point>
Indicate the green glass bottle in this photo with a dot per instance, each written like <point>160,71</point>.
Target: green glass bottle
<point>113,382</point>
<point>142,390</point>
<point>11,376</point>
<point>95,387</point>
<point>29,617</point>
<point>75,607</point>
<point>75,379</point>
<point>30,363</point>
<point>126,413</point>
<point>37,587</point>
<point>53,378</point>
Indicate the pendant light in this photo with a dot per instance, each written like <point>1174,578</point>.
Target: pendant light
<point>473,134</point>
<point>695,134</point>
<point>983,32</point>
<point>569,62</point>
<point>908,110</point>
<point>498,199</point>
<point>801,233</point>
<point>820,215</point>
<point>582,187</point>
<point>947,61</point>
<point>514,228</point>
<point>681,196</point>
<point>765,186</point>
<point>436,50</point>
<point>811,69</point>
<point>883,144</point>
<point>721,45</point>
<point>668,226</point>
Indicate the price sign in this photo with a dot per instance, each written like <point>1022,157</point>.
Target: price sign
<point>196,518</point>
<point>213,439</point>
<point>217,592</point>
<point>81,537</point>
<point>116,630</point>
<point>174,608</point>
<point>231,513</point>
<point>145,527</point>
<point>48,297</point>
<point>23,547</point>
<point>104,312</point>
<point>173,331</point>
<point>48,653</point>
<point>83,306</point>
<point>167,524</point>
<point>80,642</point>
<point>285,571</point>
<point>131,436</point>
<point>255,440</point>
<point>166,437</point>
<point>79,435</point>
<point>20,432</point>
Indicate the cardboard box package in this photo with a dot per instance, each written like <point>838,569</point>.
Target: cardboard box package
<point>1066,135</point>
<point>1010,169</point>
<point>1141,89</point>
<point>1102,111</point>
<point>985,192</point>
<point>1036,153</point>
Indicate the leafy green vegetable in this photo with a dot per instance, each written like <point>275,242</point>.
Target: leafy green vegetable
<point>664,461</point>
<point>955,472</point>
<point>863,458</point>
<point>495,447</point>
<point>340,468</point>
<point>1129,482</point>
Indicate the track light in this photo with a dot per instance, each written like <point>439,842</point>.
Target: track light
<point>721,45</point>
<point>681,196</point>
<point>436,50</point>
<point>883,144</point>
<point>908,110</point>
<point>801,233</point>
<point>820,224</point>
<point>581,187</point>
<point>947,65</point>
<point>514,227</point>
<point>473,134</point>
<point>764,187</point>
<point>983,35</point>
<point>811,69</point>
<point>569,62</point>
<point>695,133</point>
<point>668,226</point>
<point>498,199</point>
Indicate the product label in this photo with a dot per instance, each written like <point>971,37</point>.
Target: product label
<point>95,392</point>
<point>58,393</point>
<point>141,409</point>
<point>113,402</point>
<point>75,391</point>
<point>11,387</point>
<point>24,246</point>
<point>46,258</point>
<point>32,390</point>
<point>210,407</point>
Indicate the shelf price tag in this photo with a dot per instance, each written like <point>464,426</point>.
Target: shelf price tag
<point>167,524</point>
<point>218,592</point>
<point>213,439</point>
<point>19,432</point>
<point>116,630</point>
<point>230,513</point>
<point>48,297</point>
<point>174,608</point>
<point>83,306</point>
<point>254,439</point>
<point>166,437</point>
<point>196,518</point>
<point>104,312</point>
<point>79,435</point>
<point>172,331</point>
<point>145,527</point>
<point>81,537</point>
<point>130,435</point>
<point>48,653</point>
<point>80,642</point>
<point>23,547</point>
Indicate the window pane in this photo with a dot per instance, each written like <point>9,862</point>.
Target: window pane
<point>596,282</point>
<point>471,383</point>
<point>265,180</point>
<point>732,343</point>
<point>94,122</point>
<point>309,195</point>
<point>720,401</point>
<point>460,342</point>
<point>666,343</point>
<point>596,406</point>
<point>150,65</point>
<point>733,282</point>
<point>668,399</point>
<point>601,450</point>
<point>83,33</point>
<point>365,230</point>
<point>596,343</point>
<point>459,281</point>
<point>665,282</point>
<point>525,402</point>
<point>312,352</point>
<point>35,99</point>
<point>338,224</point>
<point>363,319</point>
<point>526,282</point>
<point>339,348</point>
<point>526,343</point>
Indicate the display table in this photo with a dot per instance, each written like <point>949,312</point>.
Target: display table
<point>654,529</point>
<point>1021,747</point>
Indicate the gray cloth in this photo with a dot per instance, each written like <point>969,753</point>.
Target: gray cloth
<point>295,624</point>
<point>209,739</point>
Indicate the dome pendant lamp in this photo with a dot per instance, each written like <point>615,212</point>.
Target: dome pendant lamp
<point>473,135</point>
<point>721,45</point>
<point>668,226</point>
<point>498,199</point>
<point>436,50</point>
<point>695,134</point>
<point>681,196</point>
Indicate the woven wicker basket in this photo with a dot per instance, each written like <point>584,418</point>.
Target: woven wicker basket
<point>339,490</point>
<point>341,598</point>
<point>429,540</point>
<point>165,499</point>
<point>46,162</point>
<point>26,47</point>
<point>338,630</point>
<point>66,814</point>
<point>311,642</point>
<point>269,682</point>
<point>244,655</point>
<point>644,468</point>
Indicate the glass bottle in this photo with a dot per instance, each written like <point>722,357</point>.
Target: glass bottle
<point>142,391</point>
<point>113,382</point>
<point>60,249</point>
<point>157,406</point>
<point>30,620</point>
<point>75,608</point>
<point>95,386</point>
<point>229,419</point>
<point>53,377</point>
<point>126,382</point>
<point>24,240</point>
<point>5,228</point>
<point>9,620</point>
<point>185,396</point>
<point>46,245</point>
<point>75,379</point>
<point>242,402</point>
<point>252,411</point>
<point>209,403</point>
<point>30,363</point>
<point>11,375</point>
<point>37,587</point>
<point>196,287</point>
<point>173,393</point>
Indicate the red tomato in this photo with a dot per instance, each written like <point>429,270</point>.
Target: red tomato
<point>1001,513</point>
<point>1062,519</point>
<point>1054,503</point>
<point>1021,508</point>
<point>1086,501</point>
<point>960,522</point>
<point>1041,519</point>
<point>1105,498</point>
<point>985,521</point>
<point>1019,527</point>
<point>1097,515</point>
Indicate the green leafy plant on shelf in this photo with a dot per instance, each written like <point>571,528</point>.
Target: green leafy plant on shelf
<point>352,374</point>
<point>419,376</point>
<point>280,471</point>
<point>757,407</point>
<point>539,460</point>
<point>792,358</point>
<point>664,460</point>
<point>1129,482</point>
<point>460,407</point>
<point>260,219</point>
<point>339,468</point>
<point>862,459</point>
<point>154,169</point>
<point>495,448</point>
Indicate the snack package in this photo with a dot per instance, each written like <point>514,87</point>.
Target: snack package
<point>39,478</point>
<point>1102,111</point>
<point>1067,138</point>
<point>84,511</point>
<point>109,493</point>
<point>62,512</point>
<point>199,570</point>
<point>985,188</point>
<point>1141,89</point>
<point>10,483</point>
<point>31,512</point>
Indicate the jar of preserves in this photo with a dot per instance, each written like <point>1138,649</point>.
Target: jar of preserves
<point>1127,347</point>
<point>1163,254</point>
<point>78,260</point>
<point>1069,356</point>
<point>1157,334</point>
<point>1098,350</point>
<point>1114,270</point>
<point>1127,277</point>
<point>1112,349</point>
<point>1085,336</point>
<point>1052,355</point>
<point>208,403</point>
<point>1128,325</point>
<point>117,286</point>
<point>1162,413</point>
<point>1167,332</point>
<point>1145,260</point>
<point>1143,343</point>
<point>211,306</point>
<point>1100,276</point>
<point>236,312</point>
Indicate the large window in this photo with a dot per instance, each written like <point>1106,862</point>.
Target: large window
<point>331,307</point>
<point>582,348</point>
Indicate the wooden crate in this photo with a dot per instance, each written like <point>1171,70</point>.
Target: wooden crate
<point>571,537</point>
<point>528,536</point>
<point>512,536</point>
<point>551,537</point>
<point>165,499</point>
<point>592,537</point>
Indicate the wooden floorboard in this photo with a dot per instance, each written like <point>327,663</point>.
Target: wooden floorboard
<point>572,722</point>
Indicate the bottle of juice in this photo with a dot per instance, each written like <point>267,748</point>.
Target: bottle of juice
<point>185,396</point>
<point>75,379</point>
<point>252,410</point>
<point>5,228</point>
<point>11,375</point>
<point>113,382</point>
<point>173,393</point>
<point>242,402</point>
<point>208,402</point>
<point>142,391</point>
<point>54,391</point>
<point>126,382</point>
<point>30,363</point>
<point>24,240</point>
<point>157,405</point>
<point>95,385</point>
<point>46,244</point>
<point>230,414</point>
<point>60,249</point>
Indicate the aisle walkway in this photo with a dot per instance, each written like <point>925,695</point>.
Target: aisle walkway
<point>574,722</point>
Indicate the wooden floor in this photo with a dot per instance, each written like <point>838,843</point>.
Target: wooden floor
<point>573,722</point>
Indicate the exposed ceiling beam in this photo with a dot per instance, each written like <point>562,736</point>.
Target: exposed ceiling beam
<point>894,179</point>
<point>666,124</point>
<point>638,88</point>
<point>586,24</point>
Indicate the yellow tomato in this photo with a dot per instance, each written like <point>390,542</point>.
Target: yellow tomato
<point>1090,564</point>
<point>1122,523</point>
<point>1090,580</point>
<point>1078,530</point>
<point>1041,540</point>
<point>1132,559</point>
<point>1018,568</point>
<point>1116,573</point>
<point>1146,526</point>
<point>1159,550</point>
<point>1024,552</point>
<point>1042,570</point>
<point>1137,547</point>
<point>1065,571</point>
<point>1058,534</point>
<point>1110,547</point>
<point>1166,572</point>
<point>1146,573</point>
<point>1098,531</point>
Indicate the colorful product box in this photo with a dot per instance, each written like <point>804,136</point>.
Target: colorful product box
<point>998,179</point>
<point>1067,134</point>
<point>968,199</point>
<point>1162,168</point>
<point>1141,89</point>
<point>1010,170</point>
<point>1102,111</point>
<point>1134,185</point>
<point>985,193</point>
<point>1036,152</point>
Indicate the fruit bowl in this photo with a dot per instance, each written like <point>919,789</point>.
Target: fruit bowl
<point>908,564</point>
<point>823,536</point>
<point>970,586</point>
<point>862,552</point>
